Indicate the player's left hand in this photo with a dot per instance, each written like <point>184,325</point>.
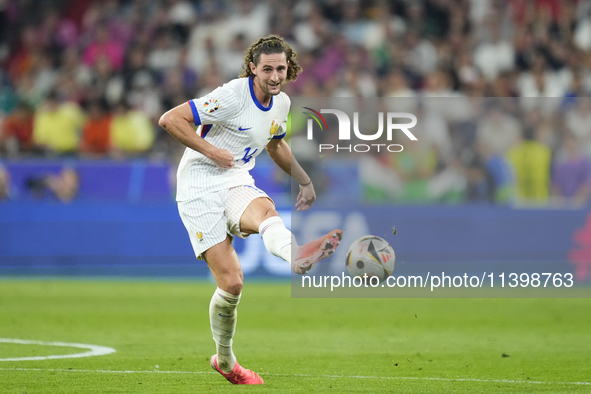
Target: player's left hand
<point>306,197</point>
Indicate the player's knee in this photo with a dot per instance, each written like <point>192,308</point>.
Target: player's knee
<point>270,213</point>
<point>234,286</point>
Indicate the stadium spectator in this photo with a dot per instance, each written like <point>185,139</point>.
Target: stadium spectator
<point>144,97</point>
<point>8,98</point>
<point>331,59</point>
<point>45,73</point>
<point>137,70</point>
<point>416,165</point>
<point>380,182</point>
<point>544,123</point>
<point>502,86</point>
<point>497,130</point>
<point>434,130</point>
<point>542,81</point>
<point>576,89</point>
<point>4,28</point>
<point>56,32</point>
<point>96,139</point>
<point>582,33</point>
<point>104,46</point>
<point>578,123</point>
<point>229,57</point>
<point>73,69</point>
<point>479,185</point>
<point>495,56</point>
<point>131,131</point>
<point>311,29</point>
<point>20,60</point>
<point>571,173</point>
<point>499,171</point>
<point>530,161</point>
<point>250,18</point>
<point>181,15</point>
<point>468,75</point>
<point>26,92</point>
<point>177,87</point>
<point>105,82</point>
<point>437,83</point>
<point>356,79</point>
<point>16,133</point>
<point>396,86</point>
<point>165,52</point>
<point>57,126</point>
<point>211,80</point>
<point>420,55</point>
<point>353,26</point>
<point>449,183</point>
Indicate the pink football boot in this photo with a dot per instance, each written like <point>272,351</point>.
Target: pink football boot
<point>314,251</point>
<point>238,375</point>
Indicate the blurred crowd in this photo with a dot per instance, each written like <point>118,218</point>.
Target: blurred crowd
<point>89,78</point>
<point>510,150</point>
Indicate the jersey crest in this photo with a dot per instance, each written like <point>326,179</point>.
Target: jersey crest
<point>273,130</point>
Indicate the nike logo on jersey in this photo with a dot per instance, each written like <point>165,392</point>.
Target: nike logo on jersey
<point>225,315</point>
<point>244,129</point>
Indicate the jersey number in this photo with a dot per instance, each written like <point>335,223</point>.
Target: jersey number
<point>248,155</point>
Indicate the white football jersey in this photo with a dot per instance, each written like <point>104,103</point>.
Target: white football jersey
<point>230,118</point>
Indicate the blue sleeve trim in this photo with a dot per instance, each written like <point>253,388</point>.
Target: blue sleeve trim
<point>196,116</point>
<point>205,130</point>
<point>279,137</point>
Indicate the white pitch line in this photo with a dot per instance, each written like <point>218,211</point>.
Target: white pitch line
<point>306,375</point>
<point>94,350</point>
<point>105,371</point>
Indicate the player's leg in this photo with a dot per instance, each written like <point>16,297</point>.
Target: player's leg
<point>225,267</point>
<point>206,224</point>
<point>261,217</point>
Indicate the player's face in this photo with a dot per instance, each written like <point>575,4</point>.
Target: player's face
<point>270,73</point>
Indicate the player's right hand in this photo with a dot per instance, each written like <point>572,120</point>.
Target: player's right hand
<point>222,158</point>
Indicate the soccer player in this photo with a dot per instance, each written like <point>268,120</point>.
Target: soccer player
<point>216,194</point>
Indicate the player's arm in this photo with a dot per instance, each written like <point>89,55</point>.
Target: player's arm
<point>280,152</point>
<point>178,123</point>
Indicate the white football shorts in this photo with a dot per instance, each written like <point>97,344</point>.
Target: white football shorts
<point>212,215</point>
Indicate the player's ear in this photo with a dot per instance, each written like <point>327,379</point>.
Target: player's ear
<point>252,67</point>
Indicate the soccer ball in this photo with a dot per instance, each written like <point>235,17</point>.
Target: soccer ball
<point>370,255</point>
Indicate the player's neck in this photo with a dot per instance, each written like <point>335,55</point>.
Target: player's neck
<point>262,97</point>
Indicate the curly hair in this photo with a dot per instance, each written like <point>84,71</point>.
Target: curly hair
<point>270,45</point>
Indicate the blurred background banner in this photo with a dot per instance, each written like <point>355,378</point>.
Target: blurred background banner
<point>501,172</point>
<point>119,239</point>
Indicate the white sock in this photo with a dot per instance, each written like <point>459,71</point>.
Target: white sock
<point>277,238</point>
<point>222,316</point>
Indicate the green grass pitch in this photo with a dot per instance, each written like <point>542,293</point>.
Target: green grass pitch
<point>161,334</point>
